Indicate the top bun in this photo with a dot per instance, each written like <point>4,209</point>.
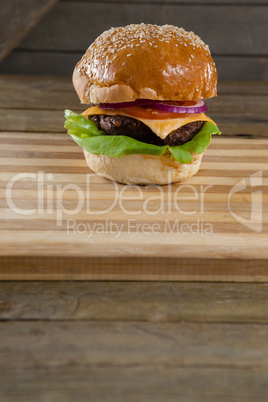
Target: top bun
<point>145,61</point>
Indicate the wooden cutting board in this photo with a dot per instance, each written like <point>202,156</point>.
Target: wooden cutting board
<point>61,221</point>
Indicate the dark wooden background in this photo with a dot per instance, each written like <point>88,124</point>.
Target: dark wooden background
<point>236,31</point>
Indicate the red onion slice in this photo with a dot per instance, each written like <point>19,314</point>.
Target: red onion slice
<point>198,106</point>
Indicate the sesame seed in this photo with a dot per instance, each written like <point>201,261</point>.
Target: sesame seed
<point>116,40</point>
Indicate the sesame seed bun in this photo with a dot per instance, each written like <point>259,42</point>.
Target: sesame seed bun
<point>145,61</point>
<point>142,169</point>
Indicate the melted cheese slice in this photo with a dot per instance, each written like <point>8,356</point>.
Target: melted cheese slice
<point>160,127</point>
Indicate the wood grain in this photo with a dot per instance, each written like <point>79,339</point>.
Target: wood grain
<point>17,18</point>
<point>42,267</point>
<point>132,383</point>
<point>108,360</point>
<point>121,344</point>
<point>134,301</point>
<point>239,46</point>
<point>120,222</point>
<point>133,361</point>
<point>250,37</point>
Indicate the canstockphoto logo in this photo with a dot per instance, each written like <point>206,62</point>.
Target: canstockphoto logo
<point>254,222</point>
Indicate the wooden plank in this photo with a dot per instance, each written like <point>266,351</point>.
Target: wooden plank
<point>27,120</point>
<point>242,68</point>
<point>106,359</point>
<point>193,2</point>
<point>252,22</point>
<point>134,383</point>
<point>51,83</point>
<point>17,18</point>
<point>248,68</point>
<point>42,267</point>
<point>96,344</point>
<point>245,88</point>
<point>133,301</point>
<point>42,99</point>
<point>133,243</point>
<point>31,120</point>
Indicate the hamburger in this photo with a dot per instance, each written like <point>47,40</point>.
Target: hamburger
<point>145,120</point>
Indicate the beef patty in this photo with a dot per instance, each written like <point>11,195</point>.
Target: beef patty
<point>123,125</point>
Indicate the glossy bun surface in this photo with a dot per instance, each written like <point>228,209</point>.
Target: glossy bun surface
<point>145,61</point>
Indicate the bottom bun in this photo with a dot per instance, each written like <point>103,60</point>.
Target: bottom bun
<point>142,169</point>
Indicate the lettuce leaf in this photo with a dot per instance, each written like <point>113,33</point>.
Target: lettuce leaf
<point>86,134</point>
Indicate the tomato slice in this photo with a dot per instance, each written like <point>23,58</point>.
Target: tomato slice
<point>148,113</point>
